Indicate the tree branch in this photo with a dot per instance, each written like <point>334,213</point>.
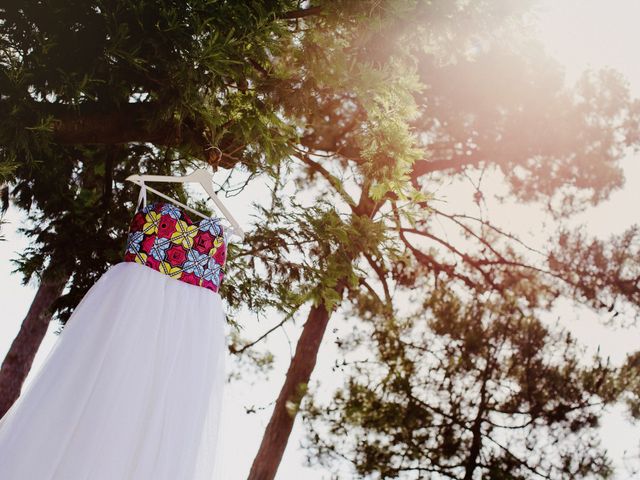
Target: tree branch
<point>424,167</point>
<point>335,182</point>
<point>476,264</point>
<point>518,460</point>
<point>381,272</point>
<point>264,335</point>
<point>306,12</point>
<point>93,124</point>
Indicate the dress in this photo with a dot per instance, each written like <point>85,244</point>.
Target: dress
<point>132,388</point>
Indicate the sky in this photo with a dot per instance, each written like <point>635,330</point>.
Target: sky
<point>580,34</point>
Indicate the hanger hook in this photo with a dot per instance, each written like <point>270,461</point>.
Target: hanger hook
<point>214,162</point>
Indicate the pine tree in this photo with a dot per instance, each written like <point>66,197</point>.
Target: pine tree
<point>465,388</point>
<point>103,91</point>
<point>364,105</point>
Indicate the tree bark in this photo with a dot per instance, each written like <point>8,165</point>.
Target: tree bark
<point>19,359</point>
<point>476,429</point>
<point>307,12</point>
<point>96,124</point>
<point>276,436</point>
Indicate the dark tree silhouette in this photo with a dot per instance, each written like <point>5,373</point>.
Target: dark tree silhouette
<point>364,106</point>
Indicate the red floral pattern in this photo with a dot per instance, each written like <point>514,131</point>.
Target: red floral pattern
<point>164,238</point>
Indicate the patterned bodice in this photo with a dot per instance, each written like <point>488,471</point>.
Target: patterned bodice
<point>163,237</point>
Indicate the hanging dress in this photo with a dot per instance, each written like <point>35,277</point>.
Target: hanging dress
<point>132,388</point>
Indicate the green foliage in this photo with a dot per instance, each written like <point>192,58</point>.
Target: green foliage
<point>297,254</point>
<point>603,273</point>
<point>363,111</point>
<point>466,388</point>
<point>629,380</point>
<point>192,61</point>
<point>79,212</point>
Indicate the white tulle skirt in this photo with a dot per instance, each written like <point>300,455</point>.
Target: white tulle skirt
<point>132,389</point>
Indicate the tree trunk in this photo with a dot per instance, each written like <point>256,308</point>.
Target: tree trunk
<point>476,429</point>
<point>276,436</point>
<point>19,359</point>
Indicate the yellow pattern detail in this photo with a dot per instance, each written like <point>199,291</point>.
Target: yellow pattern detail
<point>173,272</point>
<point>152,221</point>
<point>216,244</point>
<point>184,234</point>
<point>141,258</point>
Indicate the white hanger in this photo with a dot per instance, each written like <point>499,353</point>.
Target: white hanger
<point>201,176</point>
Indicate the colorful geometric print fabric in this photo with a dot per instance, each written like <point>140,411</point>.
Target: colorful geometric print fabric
<point>164,237</point>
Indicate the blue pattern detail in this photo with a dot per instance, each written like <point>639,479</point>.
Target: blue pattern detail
<point>212,272</point>
<point>160,247</point>
<point>200,269</point>
<point>133,242</point>
<point>147,208</point>
<point>211,225</point>
<point>195,262</point>
<point>171,210</point>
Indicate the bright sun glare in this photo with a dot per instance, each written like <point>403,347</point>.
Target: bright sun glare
<point>593,34</point>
